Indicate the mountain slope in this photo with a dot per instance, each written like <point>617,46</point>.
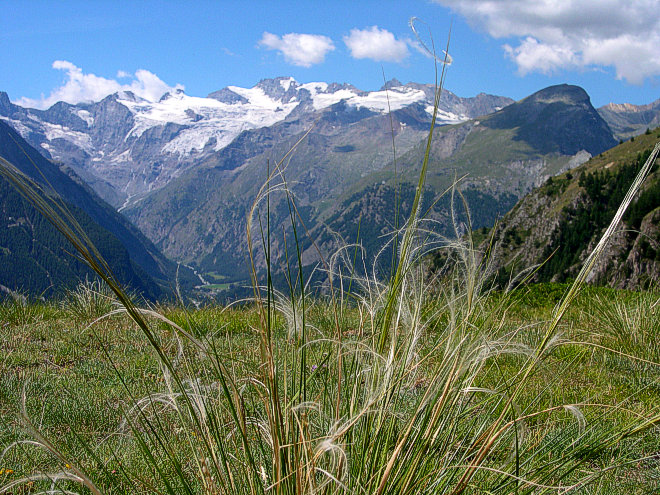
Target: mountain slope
<point>500,157</point>
<point>564,219</point>
<point>201,216</point>
<point>524,143</point>
<point>556,119</point>
<point>36,259</point>
<point>130,253</point>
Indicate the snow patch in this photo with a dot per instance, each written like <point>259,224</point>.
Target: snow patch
<point>18,126</point>
<point>324,100</point>
<point>122,157</point>
<point>86,116</point>
<point>79,139</point>
<point>384,101</point>
<point>195,139</point>
<point>286,83</point>
<point>376,101</point>
<point>206,118</point>
<point>447,117</point>
<point>315,87</point>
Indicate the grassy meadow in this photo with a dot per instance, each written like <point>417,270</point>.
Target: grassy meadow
<point>82,383</point>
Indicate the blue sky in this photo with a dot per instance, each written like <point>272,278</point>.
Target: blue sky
<point>78,50</point>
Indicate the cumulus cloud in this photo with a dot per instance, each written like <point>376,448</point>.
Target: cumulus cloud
<point>377,44</point>
<point>79,87</point>
<point>299,49</point>
<point>569,34</point>
<point>531,55</point>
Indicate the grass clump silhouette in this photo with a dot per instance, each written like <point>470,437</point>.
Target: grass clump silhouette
<point>378,387</point>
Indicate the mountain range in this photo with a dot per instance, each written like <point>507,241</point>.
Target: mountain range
<point>126,146</point>
<point>628,120</point>
<point>186,170</point>
<point>343,177</point>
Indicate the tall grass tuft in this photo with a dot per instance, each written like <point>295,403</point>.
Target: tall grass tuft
<point>89,300</point>
<point>631,327</point>
<point>17,309</point>
<point>383,387</point>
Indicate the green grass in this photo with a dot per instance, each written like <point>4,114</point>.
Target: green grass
<point>66,371</point>
<point>216,286</point>
<point>406,385</point>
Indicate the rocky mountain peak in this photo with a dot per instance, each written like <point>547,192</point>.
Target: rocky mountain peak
<point>175,93</point>
<point>551,120</point>
<point>392,83</point>
<point>561,93</point>
<point>622,107</point>
<point>280,88</point>
<point>627,120</point>
<point>226,95</point>
<point>4,101</point>
<point>334,87</point>
<point>124,95</point>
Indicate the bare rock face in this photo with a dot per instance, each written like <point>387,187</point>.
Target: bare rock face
<point>643,262</point>
<point>632,259</point>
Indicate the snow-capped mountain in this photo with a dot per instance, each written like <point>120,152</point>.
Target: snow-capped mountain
<point>345,175</point>
<point>126,146</point>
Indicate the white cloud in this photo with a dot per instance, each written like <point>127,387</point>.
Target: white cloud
<point>80,87</point>
<point>569,34</point>
<point>377,44</point>
<point>531,56</point>
<point>304,50</point>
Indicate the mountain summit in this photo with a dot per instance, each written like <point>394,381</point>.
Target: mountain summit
<point>556,119</point>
